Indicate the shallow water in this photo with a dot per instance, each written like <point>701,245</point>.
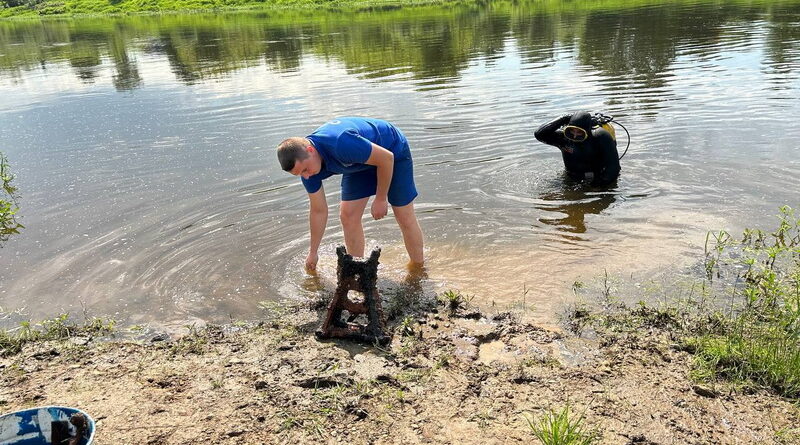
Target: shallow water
<point>144,147</point>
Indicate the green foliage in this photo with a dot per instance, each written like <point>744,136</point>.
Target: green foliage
<point>72,7</point>
<point>721,239</point>
<point>196,341</point>
<point>372,45</point>
<point>454,300</point>
<point>8,198</point>
<point>787,436</point>
<point>10,8</point>
<point>760,343</point>
<point>56,329</point>
<point>443,360</point>
<point>562,428</point>
<point>406,326</point>
<point>744,323</point>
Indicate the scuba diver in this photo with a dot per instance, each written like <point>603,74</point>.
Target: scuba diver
<point>588,146</point>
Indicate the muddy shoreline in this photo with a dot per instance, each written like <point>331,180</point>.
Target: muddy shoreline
<point>460,378</point>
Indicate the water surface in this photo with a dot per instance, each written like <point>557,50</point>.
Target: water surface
<point>144,147</point>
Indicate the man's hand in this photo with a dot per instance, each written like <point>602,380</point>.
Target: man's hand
<point>311,262</point>
<point>317,219</point>
<point>383,160</point>
<point>380,207</point>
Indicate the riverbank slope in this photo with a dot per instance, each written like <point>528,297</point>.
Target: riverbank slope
<point>719,363</point>
<point>457,377</point>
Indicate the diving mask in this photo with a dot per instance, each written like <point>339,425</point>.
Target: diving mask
<point>575,134</point>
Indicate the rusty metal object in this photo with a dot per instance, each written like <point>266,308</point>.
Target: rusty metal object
<point>360,276</point>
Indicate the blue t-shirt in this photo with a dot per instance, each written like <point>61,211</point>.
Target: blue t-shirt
<point>345,144</point>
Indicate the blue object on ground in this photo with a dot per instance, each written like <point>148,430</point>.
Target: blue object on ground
<point>35,426</point>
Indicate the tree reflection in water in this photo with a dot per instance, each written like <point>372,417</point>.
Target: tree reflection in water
<point>634,44</point>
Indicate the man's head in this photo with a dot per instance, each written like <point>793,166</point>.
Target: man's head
<point>299,157</point>
<point>578,130</point>
<point>579,127</point>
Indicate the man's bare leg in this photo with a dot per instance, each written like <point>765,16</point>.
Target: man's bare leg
<point>412,233</point>
<point>350,213</point>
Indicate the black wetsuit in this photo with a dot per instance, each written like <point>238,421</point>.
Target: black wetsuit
<point>597,154</point>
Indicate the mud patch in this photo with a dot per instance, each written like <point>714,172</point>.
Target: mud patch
<point>495,351</point>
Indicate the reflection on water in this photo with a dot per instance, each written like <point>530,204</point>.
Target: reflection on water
<point>629,47</point>
<point>144,147</point>
<point>573,202</point>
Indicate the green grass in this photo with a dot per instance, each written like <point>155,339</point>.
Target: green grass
<point>741,322</point>
<point>453,300</point>
<point>59,328</point>
<point>31,8</point>
<point>744,325</point>
<point>757,348</point>
<point>562,428</point>
<point>196,341</point>
<point>406,327</point>
<point>769,359</point>
<point>760,341</point>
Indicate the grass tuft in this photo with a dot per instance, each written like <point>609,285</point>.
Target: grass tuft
<point>59,328</point>
<point>562,428</point>
<point>454,301</point>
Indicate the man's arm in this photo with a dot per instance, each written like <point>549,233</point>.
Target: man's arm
<point>547,132</point>
<point>317,220</point>
<point>383,159</point>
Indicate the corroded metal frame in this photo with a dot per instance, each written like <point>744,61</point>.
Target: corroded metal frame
<point>360,276</point>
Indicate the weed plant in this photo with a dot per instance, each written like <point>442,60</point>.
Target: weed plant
<point>8,202</point>
<point>197,340</point>
<point>59,328</point>
<point>562,428</point>
<point>454,301</point>
<point>406,327</point>
<point>760,339</point>
<point>742,321</point>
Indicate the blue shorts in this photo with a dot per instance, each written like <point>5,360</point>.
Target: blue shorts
<point>402,190</point>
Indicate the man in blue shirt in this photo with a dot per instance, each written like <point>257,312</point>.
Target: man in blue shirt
<point>373,158</point>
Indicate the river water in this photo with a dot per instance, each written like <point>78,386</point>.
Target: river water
<point>144,147</point>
